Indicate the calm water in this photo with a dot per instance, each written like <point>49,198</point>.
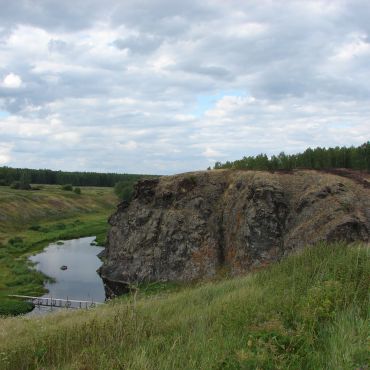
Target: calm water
<point>80,280</point>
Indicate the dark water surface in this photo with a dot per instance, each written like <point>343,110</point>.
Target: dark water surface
<point>80,280</point>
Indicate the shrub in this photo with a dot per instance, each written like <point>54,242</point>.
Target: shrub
<point>124,191</point>
<point>67,187</point>
<point>35,228</point>
<point>192,179</point>
<point>15,185</point>
<point>77,190</point>
<point>60,226</point>
<point>11,308</point>
<point>16,240</point>
<point>18,185</point>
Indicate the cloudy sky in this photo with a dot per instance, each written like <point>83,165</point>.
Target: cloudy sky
<point>165,86</point>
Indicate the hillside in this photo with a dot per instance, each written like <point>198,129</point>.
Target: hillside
<point>308,312</point>
<point>20,209</point>
<point>191,226</point>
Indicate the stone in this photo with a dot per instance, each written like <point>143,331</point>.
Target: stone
<point>190,226</point>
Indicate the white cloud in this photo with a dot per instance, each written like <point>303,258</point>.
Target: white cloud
<point>5,150</point>
<point>355,47</point>
<point>12,81</point>
<point>67,138</point>
<point>247,29</point>
<point>211,153</point>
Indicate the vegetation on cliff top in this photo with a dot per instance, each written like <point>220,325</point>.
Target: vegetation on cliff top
<point>357,158</point>
<point>309,311</point>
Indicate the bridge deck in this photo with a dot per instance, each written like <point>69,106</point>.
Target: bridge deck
<point>57,302</point>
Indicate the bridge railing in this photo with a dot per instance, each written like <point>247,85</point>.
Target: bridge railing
<point>57,302</point>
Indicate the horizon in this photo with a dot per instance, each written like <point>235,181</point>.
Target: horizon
<point>149,87</point>
<point>204,169</point>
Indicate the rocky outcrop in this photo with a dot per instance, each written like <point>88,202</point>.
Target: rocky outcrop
<point>193,225</point>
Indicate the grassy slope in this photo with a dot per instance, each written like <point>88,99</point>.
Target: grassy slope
<point>29,220</point>
<point>20,209</point>
<point>308,312</point>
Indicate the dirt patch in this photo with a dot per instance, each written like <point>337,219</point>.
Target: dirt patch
<point>360,177</point>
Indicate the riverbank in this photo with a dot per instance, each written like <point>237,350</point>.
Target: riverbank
<point>32,220</point>
<point>309,311</point>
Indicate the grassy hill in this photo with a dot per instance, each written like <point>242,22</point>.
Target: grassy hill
<point>20,209</point>
<point>30,219</point>
<point>308,312</point>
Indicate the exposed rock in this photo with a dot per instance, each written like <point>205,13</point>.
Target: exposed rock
<point>188,226</point>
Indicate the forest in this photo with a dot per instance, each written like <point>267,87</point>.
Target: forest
<point>357,158</point>
<point>10,175</point>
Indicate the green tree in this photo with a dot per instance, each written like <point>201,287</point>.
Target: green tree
<point>124,190</point>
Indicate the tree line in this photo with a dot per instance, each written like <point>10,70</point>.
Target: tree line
<point>10,175</point>
<point>357,158</point>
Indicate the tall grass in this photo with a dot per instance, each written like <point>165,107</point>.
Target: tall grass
<point>308,312</point>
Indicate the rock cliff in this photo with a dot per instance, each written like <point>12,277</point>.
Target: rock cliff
<point>193,225</point>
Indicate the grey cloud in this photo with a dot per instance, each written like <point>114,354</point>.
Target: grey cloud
<point>142,44</point>
<point>213,71</point>
<point>168,17</point>
<point>64,15</point>
<point>80,84</point>
<point>58,46</point>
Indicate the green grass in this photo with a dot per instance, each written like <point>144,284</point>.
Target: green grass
<point>21,209</point>
<point>308,312</point>
<point>33,219</point>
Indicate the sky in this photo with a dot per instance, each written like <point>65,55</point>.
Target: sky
<point>164,86</point>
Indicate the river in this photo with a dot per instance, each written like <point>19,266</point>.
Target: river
<point>79,280</point>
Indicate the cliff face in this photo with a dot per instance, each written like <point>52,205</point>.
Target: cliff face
<point>190,226</point>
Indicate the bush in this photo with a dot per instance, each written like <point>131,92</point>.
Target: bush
<point>18,185</point>
<point>60,226</point>
<point>67,187</point>
<point>77,190</point>
<point>15,185</point>
<point>35,228</point>
<point>16,240</point>
<point>124,191</point>
<point>192,179</point>
<point>9,307</point>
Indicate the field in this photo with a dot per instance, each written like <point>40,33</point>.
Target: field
<point>308,312</point>
<point>29,220</point>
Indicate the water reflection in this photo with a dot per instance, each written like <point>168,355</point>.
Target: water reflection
<point>80,280</point>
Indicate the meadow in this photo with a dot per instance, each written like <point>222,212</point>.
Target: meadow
<point>310,311</point>
<point>30,219</point>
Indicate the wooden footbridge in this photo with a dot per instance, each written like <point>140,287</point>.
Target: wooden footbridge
<point>57,302</point>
